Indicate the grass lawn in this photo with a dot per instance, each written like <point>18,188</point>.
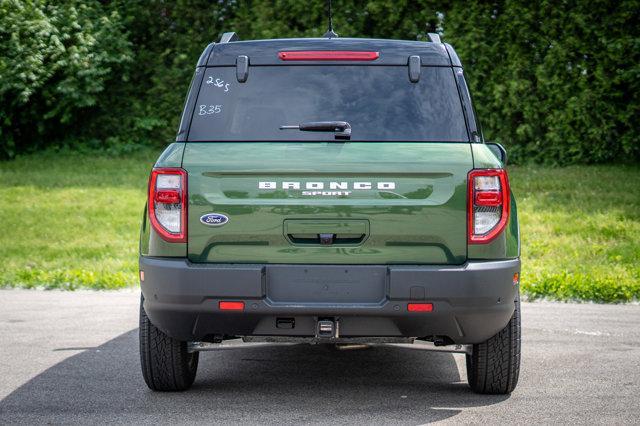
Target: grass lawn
<point>71,221</point>
<point>580,231</point>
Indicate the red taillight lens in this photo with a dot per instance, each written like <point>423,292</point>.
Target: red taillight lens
<point>231,306</point>
<point>170,196</point>
<point>167,203</point>
<point>488,204</point>
<point>420,307</point>
<point>488,198</point>
<point>328,55</point>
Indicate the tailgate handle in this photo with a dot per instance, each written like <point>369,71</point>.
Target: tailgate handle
<point>326,239</point>
<point>326,232</point>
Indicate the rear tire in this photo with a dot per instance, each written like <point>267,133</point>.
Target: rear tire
<point>166,364</point>
<point>494,365</point>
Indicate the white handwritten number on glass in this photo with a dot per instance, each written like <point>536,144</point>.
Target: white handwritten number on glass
<point>218,83</point>
<point>209,109</point>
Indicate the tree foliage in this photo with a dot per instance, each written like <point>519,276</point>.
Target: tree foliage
<point>557,81</point>
<point>554,81</point>
<point>56,61</point>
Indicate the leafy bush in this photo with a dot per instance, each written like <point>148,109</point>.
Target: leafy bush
<point>56,61</point>
<point>555,81</point>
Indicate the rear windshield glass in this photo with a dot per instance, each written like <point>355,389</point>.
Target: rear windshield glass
<point>379,102</point>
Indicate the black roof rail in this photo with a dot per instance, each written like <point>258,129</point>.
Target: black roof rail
<point>229,37</point>
<point>434,38</point>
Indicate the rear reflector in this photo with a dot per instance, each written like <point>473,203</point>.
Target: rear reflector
<point>328,55</point>
<point>231,306</point>
<point>420,307</point>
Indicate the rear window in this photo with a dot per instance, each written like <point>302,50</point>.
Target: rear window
<point>379,102</point>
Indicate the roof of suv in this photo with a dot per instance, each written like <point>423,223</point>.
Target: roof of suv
<point>391,52</point>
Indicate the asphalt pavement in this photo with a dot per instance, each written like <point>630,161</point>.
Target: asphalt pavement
<point>72,357</point>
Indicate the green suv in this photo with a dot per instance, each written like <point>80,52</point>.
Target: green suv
<point>330,190</point>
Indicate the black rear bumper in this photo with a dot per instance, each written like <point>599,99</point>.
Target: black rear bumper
<point>471,302</point>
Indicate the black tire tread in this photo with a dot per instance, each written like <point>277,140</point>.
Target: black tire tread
<point>494,365</point>
<point>166,363</point>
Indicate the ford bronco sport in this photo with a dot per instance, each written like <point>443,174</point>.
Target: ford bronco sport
<point>330,190</point>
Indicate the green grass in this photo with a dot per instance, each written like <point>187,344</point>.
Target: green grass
<point>580,229</point>
<point>71,221</point>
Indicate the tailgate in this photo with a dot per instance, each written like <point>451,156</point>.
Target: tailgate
<point>328,202</point>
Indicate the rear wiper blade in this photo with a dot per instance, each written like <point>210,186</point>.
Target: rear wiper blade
<point>342,129</point>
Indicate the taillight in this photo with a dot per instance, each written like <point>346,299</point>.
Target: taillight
<point>488,204</point>
<point>328,55</point>
<point>168,203</point>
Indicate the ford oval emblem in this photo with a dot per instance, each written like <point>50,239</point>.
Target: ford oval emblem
<point>214,219</point>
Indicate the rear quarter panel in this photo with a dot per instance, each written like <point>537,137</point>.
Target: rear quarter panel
<point>151,244</point>
<point>507,244</point>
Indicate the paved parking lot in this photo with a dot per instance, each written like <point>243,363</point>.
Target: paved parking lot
<point>73,358</point>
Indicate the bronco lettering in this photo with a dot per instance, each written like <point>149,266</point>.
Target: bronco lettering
<point>385,186</point>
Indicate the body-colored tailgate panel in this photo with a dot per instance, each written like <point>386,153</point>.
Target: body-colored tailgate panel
<point>409,198</point>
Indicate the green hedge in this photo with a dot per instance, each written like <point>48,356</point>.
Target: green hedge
<point>554,81</point>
